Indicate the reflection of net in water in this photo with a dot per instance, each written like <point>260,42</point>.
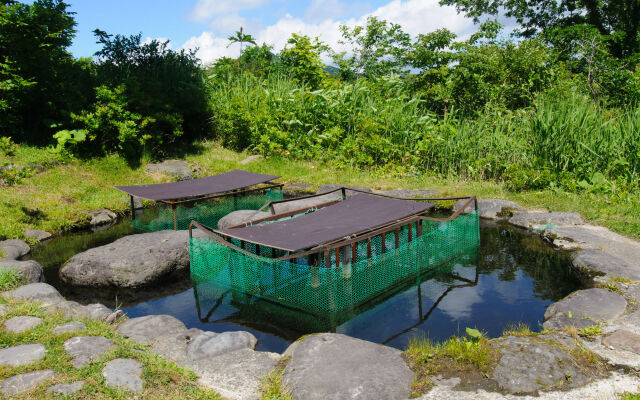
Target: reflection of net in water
<point>207,213</point>
<point>318,289</point>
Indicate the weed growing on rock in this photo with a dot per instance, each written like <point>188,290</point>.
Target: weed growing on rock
<point>590,332</point>
<point>620,279</point>
<point>518,329</point>
<point>612,287</point>
<point>271,387</point>
<point>10,279</point>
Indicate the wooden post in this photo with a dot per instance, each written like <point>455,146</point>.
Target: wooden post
<point>315,274</point>
<point>410,231</point>
<point>133,209</point>
<point>397,238</point>
<point>175,223</point>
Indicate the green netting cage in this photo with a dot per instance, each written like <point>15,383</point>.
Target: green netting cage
<point>382,262</point>
<point>207,212</point>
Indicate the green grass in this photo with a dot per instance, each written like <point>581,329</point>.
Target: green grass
<point>271,387</point>
<point>476,358</point>
<point>621,279</point>
<point>58,198</point>
<point>163,379</point>
<point>10,279</point>
<point>629,396</point>
<point>518,329</point>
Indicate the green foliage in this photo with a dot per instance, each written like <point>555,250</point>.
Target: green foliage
<point>590,332</point>
<point>7,146</point>
<point>242,38</point>
<point>377,48</point>
<point>40,82</point>
<point>302,60</point>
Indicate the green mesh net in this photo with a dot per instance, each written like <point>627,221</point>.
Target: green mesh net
<point>297,284</point>
<point>208,212</point>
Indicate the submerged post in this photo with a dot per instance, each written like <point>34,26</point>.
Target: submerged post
<point>133,208</point>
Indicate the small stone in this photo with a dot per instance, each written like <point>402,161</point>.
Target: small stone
<point>13,249</point>
<point>181,170</point>
<point>41,292</point>
<point>37,234</point>
<point>251,159</point>
<point>22,354</point>
<point>23,382</point>
<point>21,324</point>
<point>102,217</point>
<point>123,373</point>
<point>98,312</point>
<point>85,349</point>
<point>65,389</point>
<point>148,328</point>
<point>115,317</point>
<point>624,340</point>
<point>69,327</point>
<point>210,344</point>
<point>174,347</point>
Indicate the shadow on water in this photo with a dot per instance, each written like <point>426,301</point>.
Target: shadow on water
<point>511,278</point>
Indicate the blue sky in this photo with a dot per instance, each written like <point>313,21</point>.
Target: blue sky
<point>205,24</point>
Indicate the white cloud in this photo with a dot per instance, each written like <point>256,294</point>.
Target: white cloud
<point>205,9</point>
<point>415,16</point>
<point>321,10</point>
<point>149,39</point>
<point>228,24</point>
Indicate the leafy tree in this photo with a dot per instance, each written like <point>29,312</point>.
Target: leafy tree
<point>241,37</point>
<point>377,48</point>
<point>619,19</point>
<point>40,82</point>
<point>302,59</point>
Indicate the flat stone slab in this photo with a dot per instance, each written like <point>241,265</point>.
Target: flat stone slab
<point>236,375</point>
<point>65,389</point>
<point>210,344</point>
<point>596,303</point>
<point>241,217</point>
<point>335,366</point>
<point>21,324</point>
<point>563,321</point>
<point>42,292</point>
<point>30,270</point>
<point>123,373</point>
<point>623,340</point>
<point>69,327</point>
<point>595,237</point>
<point>37,234</point>
<point>72,309</point>
<point>527,367</point>
<point>598,262</point>
<point>174,346</point>
<point>130,262</point>
<point>23,382</point>
<point>538,219</point>
<point>22,354</point>
<point>492,208</point>
<point>13,249</point>
<point>85,349</point>
<point>148,328</point>
<point>102,217</point>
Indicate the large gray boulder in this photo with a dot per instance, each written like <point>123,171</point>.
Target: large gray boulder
<point>236,375</point>
<point>303,204</point>
<point>13,249</point>
<point>526,366</point>
<point>129,262</point>
<point>241,217</point>
<point>149,328</point>
<point>181,170</point>
<point>335,366</point>
<point>41,292</point>
<point>595,237</point>
<point>491,208</point>
<point>535,220</point>
<point>37,234</point>
<point>597,262</point>
<point>596,304</point>
<point>30,270</point>
<point>102,217</point>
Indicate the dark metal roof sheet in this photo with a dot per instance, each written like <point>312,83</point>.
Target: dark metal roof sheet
<point>357,214</point>
<point>225,182</point>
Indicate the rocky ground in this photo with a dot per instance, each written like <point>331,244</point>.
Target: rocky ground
<point>590,348</point>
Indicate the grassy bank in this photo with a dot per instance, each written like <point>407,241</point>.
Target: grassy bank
<point>58,198</point>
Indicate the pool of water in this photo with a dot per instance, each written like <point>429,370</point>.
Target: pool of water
<point>510,278</point>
